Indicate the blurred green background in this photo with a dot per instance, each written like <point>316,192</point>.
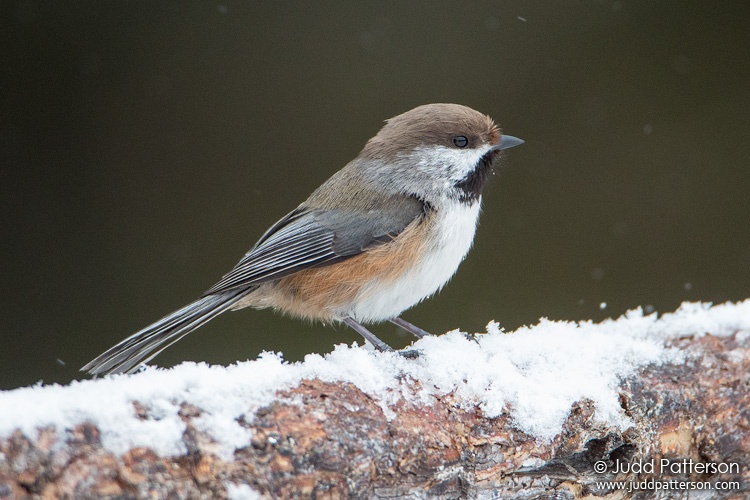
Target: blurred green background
<point>145,146</point>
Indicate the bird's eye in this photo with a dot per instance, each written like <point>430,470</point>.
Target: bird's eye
<point>460,141</point>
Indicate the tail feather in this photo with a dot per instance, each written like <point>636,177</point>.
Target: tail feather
<point>144,345</point>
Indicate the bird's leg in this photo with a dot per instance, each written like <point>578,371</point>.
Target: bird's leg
<point>413,329</point>
<point>368,335</point>
<point>379,344</point>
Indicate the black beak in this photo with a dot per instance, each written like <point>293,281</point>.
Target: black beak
<point>508,141</point>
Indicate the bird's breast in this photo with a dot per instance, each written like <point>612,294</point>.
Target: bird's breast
<point>445,238</point>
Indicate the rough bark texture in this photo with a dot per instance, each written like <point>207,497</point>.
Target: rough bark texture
<point>339,444</point>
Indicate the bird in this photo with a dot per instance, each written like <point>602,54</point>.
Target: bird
<point>379,236</point>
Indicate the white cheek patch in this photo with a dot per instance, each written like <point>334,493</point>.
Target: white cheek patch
<point>448,164</point>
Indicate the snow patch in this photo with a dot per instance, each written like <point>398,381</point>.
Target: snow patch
<point>533,374</point>
<point>242,492</point>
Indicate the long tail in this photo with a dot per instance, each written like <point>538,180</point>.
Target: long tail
<point>142,346</point>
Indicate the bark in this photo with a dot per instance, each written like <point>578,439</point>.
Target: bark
<point>326,440</point>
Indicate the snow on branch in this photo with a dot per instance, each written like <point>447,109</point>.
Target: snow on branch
<point>530,412</point>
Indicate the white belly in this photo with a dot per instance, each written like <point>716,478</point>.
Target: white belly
<point>453,234</point>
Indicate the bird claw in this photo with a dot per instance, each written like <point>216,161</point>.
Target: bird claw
<point>411,353</point>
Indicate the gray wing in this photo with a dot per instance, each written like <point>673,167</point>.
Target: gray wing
<point>308,238</point>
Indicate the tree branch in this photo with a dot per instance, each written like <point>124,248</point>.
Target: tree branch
<point>333,440</point>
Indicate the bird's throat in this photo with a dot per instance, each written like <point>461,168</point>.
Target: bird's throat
<point>470,187</point>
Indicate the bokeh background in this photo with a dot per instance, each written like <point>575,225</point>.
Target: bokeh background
<point>145,146</point>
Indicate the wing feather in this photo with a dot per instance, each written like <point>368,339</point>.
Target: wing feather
<point>299,242</point>
<point>308,238</point>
